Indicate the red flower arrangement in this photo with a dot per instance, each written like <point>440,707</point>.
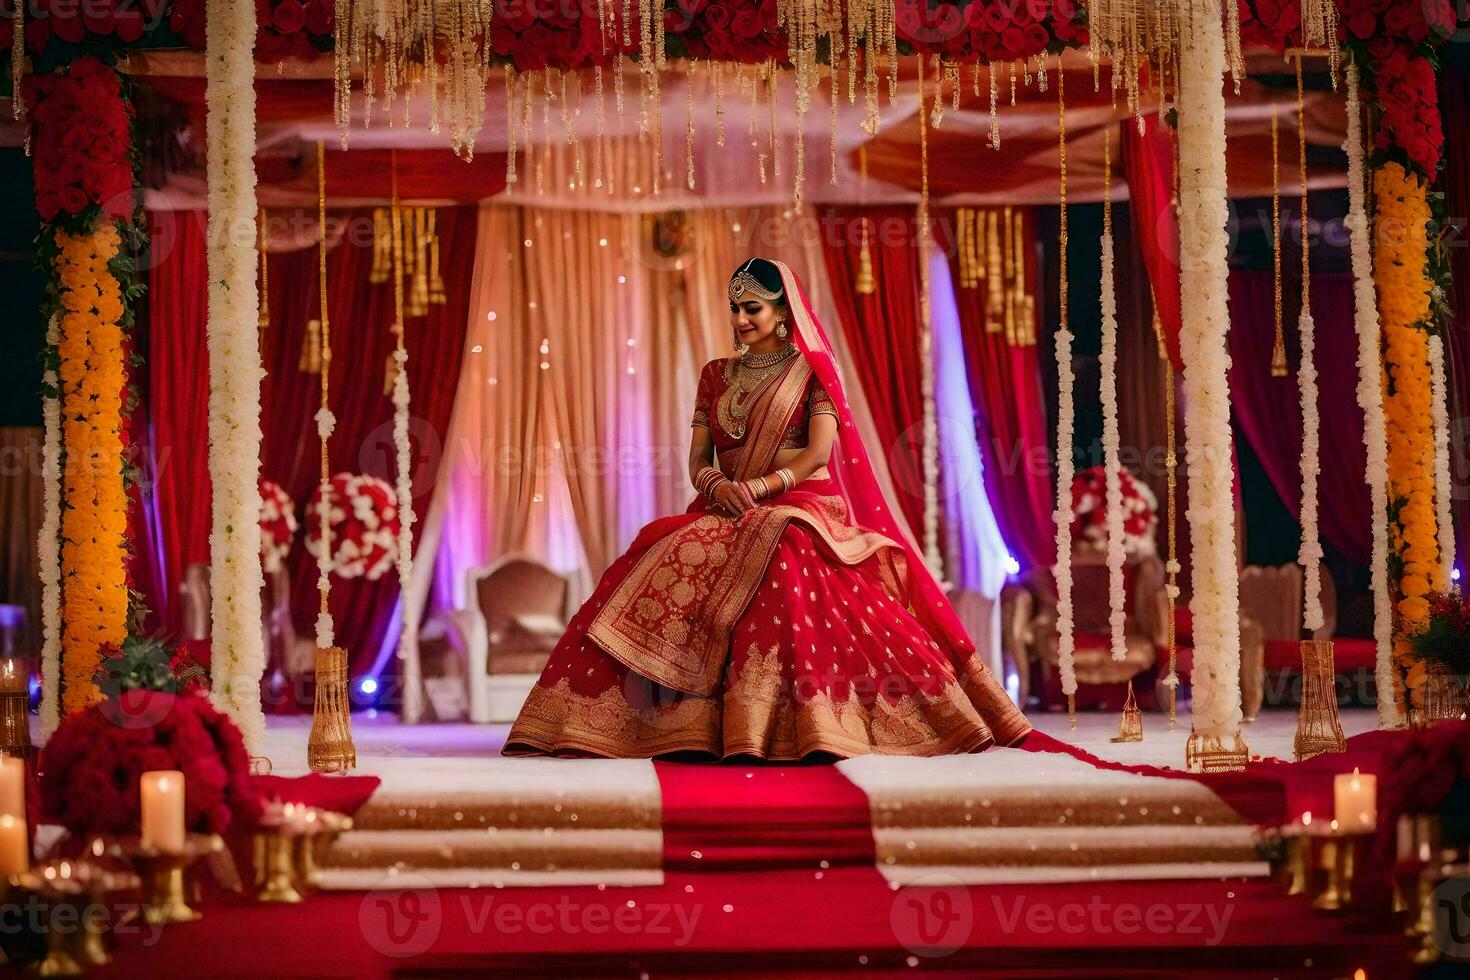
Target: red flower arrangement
<point>78,21</point>
<point>742,31</point>
<point>90,767</point>
<point>81,139</point>
<point>1393,41</point>
<point>1089,505</point>
<point>288,28</point>
<point>991,30</point>
<point>278,524</point>
<point>532,35</point>
<point>363,516</point>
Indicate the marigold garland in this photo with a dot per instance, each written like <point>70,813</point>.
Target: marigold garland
<point>92,373</point>
<point>1404,286</point>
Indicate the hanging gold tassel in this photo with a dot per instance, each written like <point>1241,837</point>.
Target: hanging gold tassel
<point>995,300</point>
<point>310,359</point>
<point>1279,367</point>
<point>866,284</point>
<point>18,63</point>
<point>419,297</point>
<point>437,294</point>
<point>382,247</point>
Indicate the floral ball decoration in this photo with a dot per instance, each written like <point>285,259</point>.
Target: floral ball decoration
<point>91,765</point>
<point>1140,511</point>
<point>1445,639</point>
<point>363,524</point>
<point>278,524</point>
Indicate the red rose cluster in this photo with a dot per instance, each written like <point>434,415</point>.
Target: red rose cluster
<point>1396,37</point>
<point>726,30</point>
<point>80,138</point>
<point>363,521</point>
<point>288,28</point>
<point>993,30</point>
<point>1423,766</point>
<point>91,765</point>
<point>1089,505</point>
<point>76,21</point>
<point>537,34</point>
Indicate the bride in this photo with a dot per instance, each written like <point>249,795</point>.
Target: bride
<point>786,613</point>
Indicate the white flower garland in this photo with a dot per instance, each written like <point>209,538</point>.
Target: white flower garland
<point>1203,214</point>
<point>48,547</point>
<point>1112,463</point>
<point>1310,554</point>
<point>1062,570</point>
<point>1440,395</point>
<point>235,371</point>
<point>326,422</point>
<point>1370,399</point>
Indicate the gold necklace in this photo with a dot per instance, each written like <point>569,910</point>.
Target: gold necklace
<point>747,374</point>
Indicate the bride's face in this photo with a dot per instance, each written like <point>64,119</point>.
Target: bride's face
<point>754,320</point>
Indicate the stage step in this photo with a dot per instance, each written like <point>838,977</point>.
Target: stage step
<point>1009,816</point>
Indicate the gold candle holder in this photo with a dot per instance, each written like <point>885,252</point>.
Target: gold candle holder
<point>277,871</point>
<point>15,705</point>
<point>1337,857</point>
<point>79,885</point>
<point>1318,726</point>
<point>329,748</point>
<point>165,899</point>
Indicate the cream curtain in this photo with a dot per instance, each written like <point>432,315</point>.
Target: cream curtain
<point>566,463</point>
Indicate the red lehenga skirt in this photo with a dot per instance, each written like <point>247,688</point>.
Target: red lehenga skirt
<point>786,633</point>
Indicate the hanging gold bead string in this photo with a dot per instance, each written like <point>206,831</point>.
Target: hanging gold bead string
<point>264,319</point>
<point>324,586</point>
<point>932,555</point>
<point>1171,506</point>
<point>1301,135</point>
<point>1278,350</point>
<point>329,746</point>
<point>18,62</point>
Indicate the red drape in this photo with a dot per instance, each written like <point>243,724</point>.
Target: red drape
<point>1005,386</point>
<point>1454,96</point>
<point>361,313</point>
<point>172,424</point>
<point>882,332</point>
<point>1268,410</point>
<point>1148,161</point>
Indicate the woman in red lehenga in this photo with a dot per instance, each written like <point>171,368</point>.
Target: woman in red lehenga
<point>786,613</point>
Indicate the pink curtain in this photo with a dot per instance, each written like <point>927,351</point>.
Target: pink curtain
<point>882,332</point>
<point>1268,411</point>
<point>1005,386</point>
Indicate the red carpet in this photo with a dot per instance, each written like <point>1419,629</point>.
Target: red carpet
<point>740,818</point>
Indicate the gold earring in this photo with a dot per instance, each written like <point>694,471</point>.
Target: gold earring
<point>781,330</point>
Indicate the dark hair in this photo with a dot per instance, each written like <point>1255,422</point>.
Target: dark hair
<point>766,273</point>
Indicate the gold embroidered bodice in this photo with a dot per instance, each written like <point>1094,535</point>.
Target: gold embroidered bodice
<point>725,389</point>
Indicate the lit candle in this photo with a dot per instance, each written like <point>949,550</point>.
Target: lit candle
<point>15,855</point>
<point>13,787</point>
<point>162,796</point>
<point>1356,799</point>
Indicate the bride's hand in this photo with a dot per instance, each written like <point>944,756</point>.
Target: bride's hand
<point>733,498</point>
